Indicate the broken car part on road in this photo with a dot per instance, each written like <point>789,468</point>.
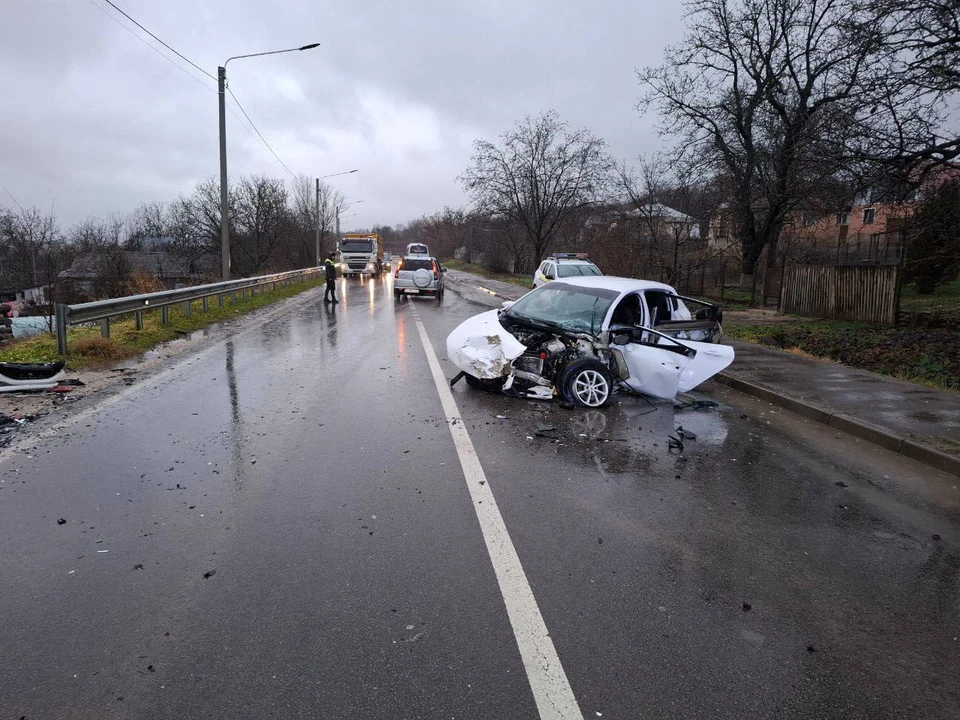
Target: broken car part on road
<point>581,338</point>
<point>16,377</point>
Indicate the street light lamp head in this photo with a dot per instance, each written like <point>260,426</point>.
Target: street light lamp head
<point>311,46</point>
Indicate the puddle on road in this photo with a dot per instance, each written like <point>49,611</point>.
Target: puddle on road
<point>630,434</point>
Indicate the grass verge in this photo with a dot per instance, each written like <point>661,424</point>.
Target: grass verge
<point>521,280</point>
<point>927,356</point>
<point>87,347</point>
<point>945,299</point>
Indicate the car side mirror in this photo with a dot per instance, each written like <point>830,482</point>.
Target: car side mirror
<point>443,270</point>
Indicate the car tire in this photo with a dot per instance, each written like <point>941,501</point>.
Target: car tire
<point>586,382</point>
<point>396,294</point>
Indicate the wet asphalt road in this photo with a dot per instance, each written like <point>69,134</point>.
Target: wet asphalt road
<point>773,569</point>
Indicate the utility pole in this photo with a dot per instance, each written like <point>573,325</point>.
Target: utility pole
<point>224,214</point>
<point>317,254</point>
<point>222,106</point>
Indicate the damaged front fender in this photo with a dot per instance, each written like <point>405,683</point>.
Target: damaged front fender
<point>481,347</point>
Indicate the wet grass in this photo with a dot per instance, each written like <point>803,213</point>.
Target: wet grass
<point>86,346</point>
<point>923,355</point>
<point>524,281</point>
<point>945,299</point>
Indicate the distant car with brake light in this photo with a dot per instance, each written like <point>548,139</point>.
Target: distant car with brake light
<point>565,265</point>
<point>418,275</point>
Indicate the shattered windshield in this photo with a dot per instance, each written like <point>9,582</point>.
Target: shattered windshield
<point>576,309</point>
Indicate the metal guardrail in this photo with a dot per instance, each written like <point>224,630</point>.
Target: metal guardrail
<point>103,310</point>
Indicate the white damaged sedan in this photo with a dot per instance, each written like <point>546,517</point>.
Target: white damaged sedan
<point>578,338</point>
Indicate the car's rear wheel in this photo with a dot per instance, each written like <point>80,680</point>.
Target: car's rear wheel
<point>587,382</point>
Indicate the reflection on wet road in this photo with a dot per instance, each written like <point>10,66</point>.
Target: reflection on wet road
<point>770,568</point>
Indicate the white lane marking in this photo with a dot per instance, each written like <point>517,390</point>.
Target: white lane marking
<point>551,689</point>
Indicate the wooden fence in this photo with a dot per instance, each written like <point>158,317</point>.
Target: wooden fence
<point>840,292</point>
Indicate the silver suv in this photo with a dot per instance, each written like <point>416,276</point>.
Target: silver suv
<point>418,275</point>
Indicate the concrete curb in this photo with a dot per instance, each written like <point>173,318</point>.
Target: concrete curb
<point>880,436</point>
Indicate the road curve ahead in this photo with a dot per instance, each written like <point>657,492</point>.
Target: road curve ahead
<point>300,521</point>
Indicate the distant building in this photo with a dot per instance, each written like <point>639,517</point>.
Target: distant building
<point>94,273</point>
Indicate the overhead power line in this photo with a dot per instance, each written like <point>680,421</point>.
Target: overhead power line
<point>152,47</point>
<point>255,134</point>
<point>260,134</point>
<point>178,54</point>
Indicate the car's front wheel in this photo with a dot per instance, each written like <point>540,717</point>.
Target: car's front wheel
<point>485,385</point>
<point>587,382</point>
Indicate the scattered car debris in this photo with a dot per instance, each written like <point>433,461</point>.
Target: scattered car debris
<point>138,566</point>
<point>18,377</point>
<point>747,607</point>
<point>685,434</point>
<point>209,574</point>
<point>674,444</point>
<point>582,339</point>
<point>841,484</point>
<point>697,405</point>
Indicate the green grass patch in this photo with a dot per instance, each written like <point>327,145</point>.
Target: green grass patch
<point>521,280</point>
<point>923,355</point>
<point>86,347</point>
<point>946,298</point>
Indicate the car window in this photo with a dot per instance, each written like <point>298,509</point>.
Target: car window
<point>578,309</point>
<point>414,264</point>
<point>549,272</point>
<point>578,270</point>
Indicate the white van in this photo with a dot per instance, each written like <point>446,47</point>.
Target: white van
<point>418,249</point>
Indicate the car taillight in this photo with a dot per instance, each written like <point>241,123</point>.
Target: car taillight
<point>436,275</point>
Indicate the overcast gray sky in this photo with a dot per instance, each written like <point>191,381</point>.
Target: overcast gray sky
<point>96,122</point>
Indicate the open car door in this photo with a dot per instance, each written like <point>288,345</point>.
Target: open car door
<point>661,366</point>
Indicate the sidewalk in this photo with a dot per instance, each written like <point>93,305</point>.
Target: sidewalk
<point>919,422</point>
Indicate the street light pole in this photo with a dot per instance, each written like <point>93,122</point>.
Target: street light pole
<point>222,107</point>
<point>317,253</point>
<point>224,215</point>
<point>348,172</point>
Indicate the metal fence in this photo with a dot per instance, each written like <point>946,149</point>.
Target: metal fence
<point>857,293</point>
<point>104,310</point>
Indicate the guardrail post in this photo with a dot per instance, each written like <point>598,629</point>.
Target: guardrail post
<point>219,299</point>
<point>105,328</point>
<point>164,315</point>
<point>138,320</point>
<point>186,308</point>
<point>60,318</point>
<point>243,293</point>
<point>205,307</point>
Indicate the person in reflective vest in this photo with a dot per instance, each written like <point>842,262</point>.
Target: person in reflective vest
<point>330,267</point>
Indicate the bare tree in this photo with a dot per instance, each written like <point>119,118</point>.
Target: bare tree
<point>262,220</point>
<point>149,220</point>
<point>780,95</point>
<point>303,198</point>
<point>33,246</point>
<point>537,177</point>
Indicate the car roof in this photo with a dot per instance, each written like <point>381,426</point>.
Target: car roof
<point>418,256</point>
<point>572,261</point>
<point>619,284</point>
